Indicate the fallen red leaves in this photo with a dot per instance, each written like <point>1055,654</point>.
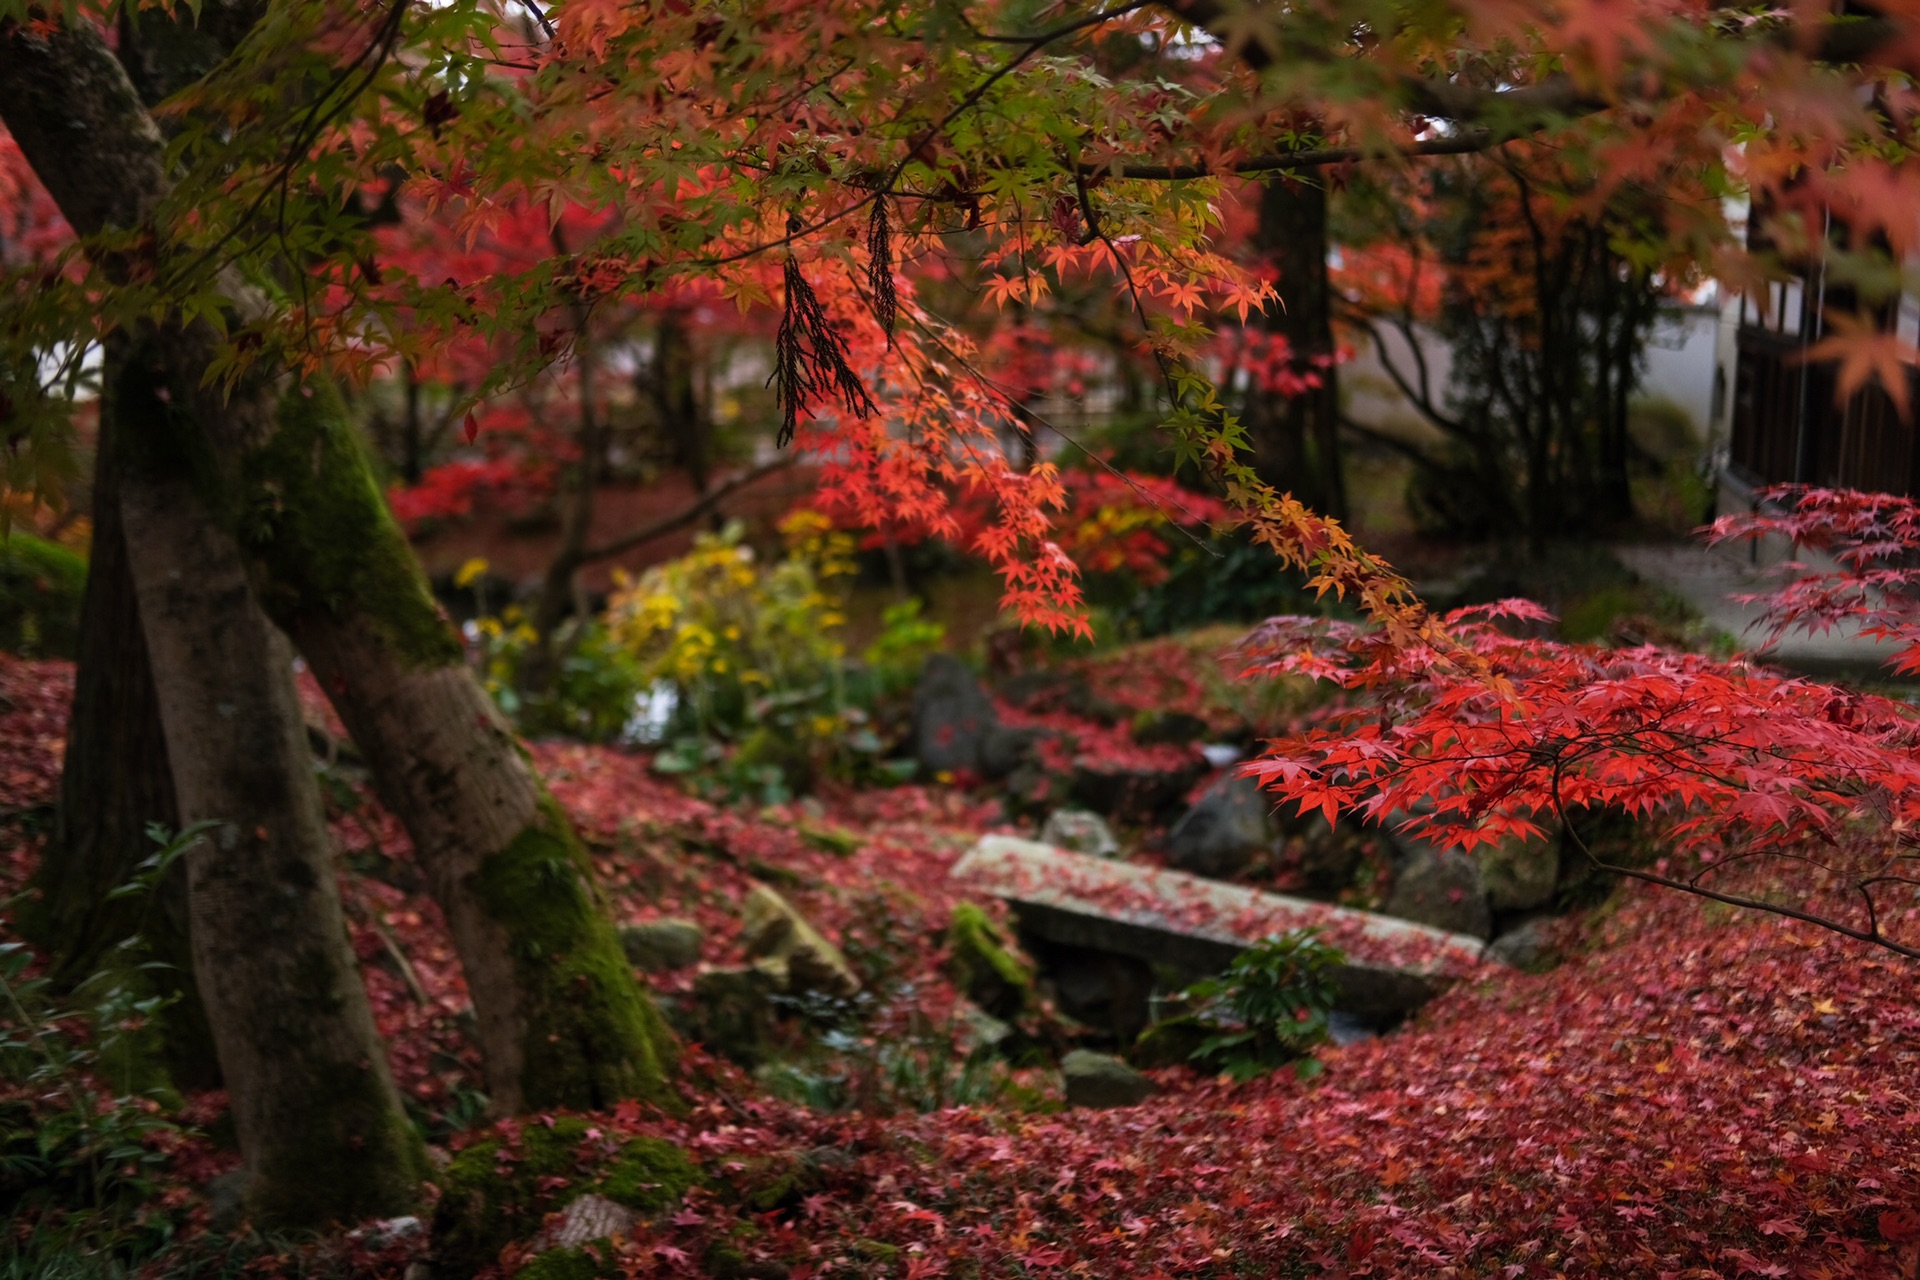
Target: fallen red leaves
<point>1696,1094</point>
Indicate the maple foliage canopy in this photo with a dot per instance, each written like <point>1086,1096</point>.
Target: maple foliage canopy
<point>812,161</point>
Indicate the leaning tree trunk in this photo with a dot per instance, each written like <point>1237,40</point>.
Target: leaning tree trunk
<point>1296,439</point>
<point>562,1021</point>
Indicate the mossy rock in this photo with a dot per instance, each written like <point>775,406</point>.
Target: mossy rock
<point>488,1203</point>
<point>982,966</point>
<point>41,584</point>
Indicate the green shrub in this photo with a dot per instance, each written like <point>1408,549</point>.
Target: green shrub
<point>40,588</point>
<point>1270,1008</point>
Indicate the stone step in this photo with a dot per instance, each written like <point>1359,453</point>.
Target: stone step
<point>1197,926</point>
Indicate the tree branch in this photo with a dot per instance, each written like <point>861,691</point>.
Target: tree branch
<point>688,514</point>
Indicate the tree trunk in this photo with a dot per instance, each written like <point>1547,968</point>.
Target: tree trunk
<point>321,1128</point>
<point>320,1124</point>
<point>674,400</point>
<point>563,1021</point>
<point>1296,439</point>
<point>116,781</point>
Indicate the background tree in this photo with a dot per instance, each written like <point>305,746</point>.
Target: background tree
<point>1547,300</point>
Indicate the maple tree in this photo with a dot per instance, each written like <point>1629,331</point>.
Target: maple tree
<point>1737,761</point>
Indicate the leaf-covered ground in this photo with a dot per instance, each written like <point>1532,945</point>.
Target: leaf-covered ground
<point>1692,1094</point>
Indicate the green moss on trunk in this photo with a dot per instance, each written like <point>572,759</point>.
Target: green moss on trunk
<point>313,513</point>
<point>592,1036</point>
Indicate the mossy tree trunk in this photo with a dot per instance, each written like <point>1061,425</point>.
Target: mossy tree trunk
<point>563,1021</point>
<point>319,1121</point>
<point>116,780</point>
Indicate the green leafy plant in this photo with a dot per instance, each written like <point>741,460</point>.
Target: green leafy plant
<point>906,640</point>
<point>763,703</point>
<point>594,694</point>
<point>40,587</point>
<point>1270,1007</point>
<point>80,1159</point>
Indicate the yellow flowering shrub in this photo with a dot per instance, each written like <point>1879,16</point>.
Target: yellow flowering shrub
<point>751,649</point>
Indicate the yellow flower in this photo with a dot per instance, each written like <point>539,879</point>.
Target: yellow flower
<point>468,572</point>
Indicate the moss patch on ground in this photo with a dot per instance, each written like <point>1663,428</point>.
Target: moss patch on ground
<point>495,1192</point>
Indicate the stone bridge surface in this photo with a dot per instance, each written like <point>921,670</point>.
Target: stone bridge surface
<point>1196,926</point>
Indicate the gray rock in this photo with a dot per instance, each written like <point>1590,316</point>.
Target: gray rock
<point>952,716</point>
<point>1137,795</point>
<point>585,1220</point>
<point>772,929</point>
<point>389,1231</point>
<point>1225,830</point>
<point>980,1030</point>
<point>1528,946</point>
<point>1519,875</point>
<point>1193,927</point>
<point>655,946</point>
<point>1442,889</point>
<point>1096,1080</point>
<point>1081,831</point>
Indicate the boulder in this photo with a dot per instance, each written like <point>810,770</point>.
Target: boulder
<point>1519,875</point>
<point>1004,749</point>
<point>772,930</point>
<point>227,1199</point>
<point>1135,793</point>
<point>1224,831</point>
<point>1098,1081</point>
<point>1193,927</point>
<point>1527,946</point>
<point>952,717</point>
<point>1441,888</point>
<point>487,1201</point>
<point>979,1031</point>
<point>1081,831</point>
<point>655,946</point>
